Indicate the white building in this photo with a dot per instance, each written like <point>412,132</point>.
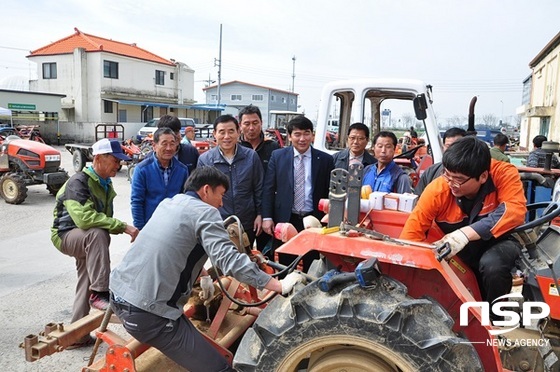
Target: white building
<point>540,109</point>
<point>111,81</point>
<point>237,94</point>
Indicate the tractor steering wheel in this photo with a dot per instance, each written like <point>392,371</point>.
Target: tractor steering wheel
<point>551,210</point>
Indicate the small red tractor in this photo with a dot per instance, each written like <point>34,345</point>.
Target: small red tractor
<point>372,302</point>
<point>24,163</point>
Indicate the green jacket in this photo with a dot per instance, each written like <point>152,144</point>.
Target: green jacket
<point>498,154</point>
<point>83,203</point>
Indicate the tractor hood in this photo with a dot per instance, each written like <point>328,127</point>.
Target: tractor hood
<point>13,145</point>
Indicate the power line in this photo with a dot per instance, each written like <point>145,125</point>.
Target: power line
<point>12,48</point>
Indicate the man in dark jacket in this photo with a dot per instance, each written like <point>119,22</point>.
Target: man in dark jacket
<point>358,138</point>
<point>298,177</point>
<point>83,220</point>
<point>243,168</point>
<point>186,153</point>
<point>252,136</point>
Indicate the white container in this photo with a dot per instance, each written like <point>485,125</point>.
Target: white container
<point>376,200</point>
<point>407,202</point>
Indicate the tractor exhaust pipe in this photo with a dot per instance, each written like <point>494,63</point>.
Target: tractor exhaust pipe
<point>470,129</point>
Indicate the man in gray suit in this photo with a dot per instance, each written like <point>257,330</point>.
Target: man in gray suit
<point>358,138</point>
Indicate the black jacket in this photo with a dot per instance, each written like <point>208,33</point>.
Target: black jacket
<point>264,150</point>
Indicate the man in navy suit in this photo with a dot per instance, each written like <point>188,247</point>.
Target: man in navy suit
<point>281,199</point>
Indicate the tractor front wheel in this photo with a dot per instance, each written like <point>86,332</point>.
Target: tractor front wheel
<point>12,188</point>
<point>78,160</point>
<point>350,328</point>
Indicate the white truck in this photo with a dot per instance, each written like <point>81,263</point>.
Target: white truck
<point>364,100</point>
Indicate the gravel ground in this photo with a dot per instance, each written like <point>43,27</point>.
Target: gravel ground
<point>37,282</point>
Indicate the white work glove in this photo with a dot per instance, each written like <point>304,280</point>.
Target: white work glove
<point>457,241</point>
<point>207,287</point>
<point>290,281</point>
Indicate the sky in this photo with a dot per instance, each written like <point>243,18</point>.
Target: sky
<point>462,48</point>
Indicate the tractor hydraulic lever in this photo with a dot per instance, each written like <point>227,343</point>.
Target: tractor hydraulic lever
<point>442,250</point>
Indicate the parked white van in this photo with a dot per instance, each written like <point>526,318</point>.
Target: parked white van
<point>332,125</point>
<point>151,127</point>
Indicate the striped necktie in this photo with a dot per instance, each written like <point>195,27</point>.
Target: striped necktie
<point>299,184</point>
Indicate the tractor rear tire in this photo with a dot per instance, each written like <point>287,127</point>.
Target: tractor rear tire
<point>12,189</point>
<point>78,160</point>
<point>350,328</point>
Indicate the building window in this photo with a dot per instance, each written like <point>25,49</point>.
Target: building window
<point>49,70</point>
<point>214,97</point>
<point>257,97</point>
<point>292,101</point>
<point>236,97</point>
<point>283,99</point>
<point>107,107</point>
<point>171,75</point>
<point>160,77</point>
<point>110,69</point>
<point>273,97</point>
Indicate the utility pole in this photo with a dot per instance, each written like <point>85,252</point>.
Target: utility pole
<point>209,81</point>
<point>502,115</point>
<point>293,72</point>
<point>218,62</point>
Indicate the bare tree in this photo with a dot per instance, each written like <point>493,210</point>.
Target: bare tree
<point>457,121</point>
<point>408,120</point>
<point>490,120</point>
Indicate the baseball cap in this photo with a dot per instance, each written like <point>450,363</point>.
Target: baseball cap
<point>106,146</point>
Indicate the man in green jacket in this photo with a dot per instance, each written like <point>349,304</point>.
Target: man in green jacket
<point>83,220</point>
<point>497,151</point>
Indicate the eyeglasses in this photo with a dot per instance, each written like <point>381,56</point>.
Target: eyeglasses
<point>356,139</point>
<point>453,182</point>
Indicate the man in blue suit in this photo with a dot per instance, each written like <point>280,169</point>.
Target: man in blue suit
<point>297,178</point>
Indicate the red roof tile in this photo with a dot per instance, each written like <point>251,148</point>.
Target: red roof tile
<point>93,43</point>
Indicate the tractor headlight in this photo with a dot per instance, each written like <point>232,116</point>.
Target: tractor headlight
<point>52,157</point>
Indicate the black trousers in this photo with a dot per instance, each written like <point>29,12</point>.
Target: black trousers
<point>493,267</point>
<point>178,339</point>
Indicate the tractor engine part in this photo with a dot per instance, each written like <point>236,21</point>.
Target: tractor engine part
<point>366,273</point>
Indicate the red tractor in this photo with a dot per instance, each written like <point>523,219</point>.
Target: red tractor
<point>373,302</point>
<point>24,163</point>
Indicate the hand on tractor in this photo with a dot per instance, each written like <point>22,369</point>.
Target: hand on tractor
<point>457,240</point>
<point>290,281</point>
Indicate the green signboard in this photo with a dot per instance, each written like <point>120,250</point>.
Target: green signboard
<point>22,106</point>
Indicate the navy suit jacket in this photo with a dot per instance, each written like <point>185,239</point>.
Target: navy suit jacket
<point>278,188</point>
